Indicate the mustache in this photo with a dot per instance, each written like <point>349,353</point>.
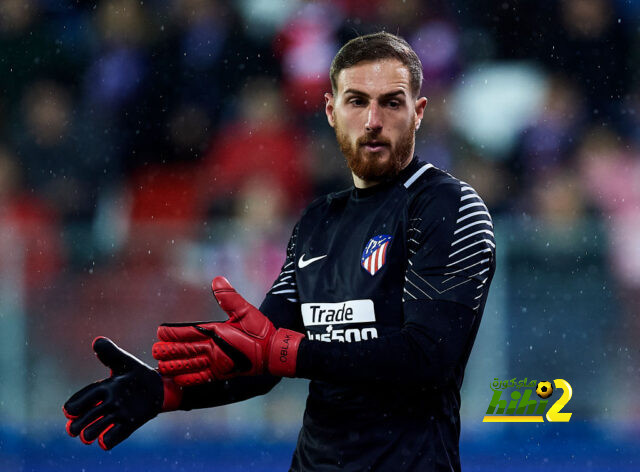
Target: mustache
<point>362,140</point>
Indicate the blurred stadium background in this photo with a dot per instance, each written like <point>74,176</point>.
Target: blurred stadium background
<point>147,146</point>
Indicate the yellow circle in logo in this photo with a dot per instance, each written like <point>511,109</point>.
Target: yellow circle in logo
<point>544,389</point>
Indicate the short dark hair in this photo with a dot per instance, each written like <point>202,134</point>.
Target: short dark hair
<point>373,47</point>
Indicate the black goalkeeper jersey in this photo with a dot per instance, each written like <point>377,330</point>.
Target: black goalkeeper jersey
<point>388,284</point>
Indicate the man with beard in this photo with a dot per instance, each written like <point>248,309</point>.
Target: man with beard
<point>378,301</point>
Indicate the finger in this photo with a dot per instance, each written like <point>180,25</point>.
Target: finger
<point>81,435</point>
<point>95,428</point>
<point>194,378</point>
<point>114,435</point>
<point>68,428</point>
<point>229,300</point>
<point>220,358</point>
<point>83,400</point>
<point>75,426</point>
<point>67,414</point>
<point>164,351</point>
<point>183,366</point>
<point>219,284</point>
<point>172,332</point>
<point>118,360</point>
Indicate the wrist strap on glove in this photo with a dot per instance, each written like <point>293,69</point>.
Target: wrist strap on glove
<point>172,394</point>
<point>283,352</point>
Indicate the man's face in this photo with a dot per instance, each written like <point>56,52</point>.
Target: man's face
<point>375,117</point>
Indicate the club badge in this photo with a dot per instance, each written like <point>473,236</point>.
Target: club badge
<point>374,254</point>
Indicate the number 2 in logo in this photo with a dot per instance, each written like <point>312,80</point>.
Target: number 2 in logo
<point>554,412</point>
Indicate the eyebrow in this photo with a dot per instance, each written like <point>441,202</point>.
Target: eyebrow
<point>384,95</point>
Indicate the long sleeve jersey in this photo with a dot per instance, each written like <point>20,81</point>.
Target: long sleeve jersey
<point>388,284</point>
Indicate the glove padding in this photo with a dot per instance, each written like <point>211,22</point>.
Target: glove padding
<point>111,409</point>
<point>246,344</point>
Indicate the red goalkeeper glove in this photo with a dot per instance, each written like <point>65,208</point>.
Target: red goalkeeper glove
<point>246,344</point>
<point>111,409</point>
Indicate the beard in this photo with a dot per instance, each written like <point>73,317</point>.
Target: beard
<point>373,166</point>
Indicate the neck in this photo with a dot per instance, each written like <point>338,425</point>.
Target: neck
<point>361,183</point>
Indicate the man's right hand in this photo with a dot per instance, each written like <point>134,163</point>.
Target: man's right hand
<point>111,409</point>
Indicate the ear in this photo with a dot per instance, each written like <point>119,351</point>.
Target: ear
<point>421,104</point>
<point>328,108</point>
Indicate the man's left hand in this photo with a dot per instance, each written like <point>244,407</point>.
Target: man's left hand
<point>246,344</point>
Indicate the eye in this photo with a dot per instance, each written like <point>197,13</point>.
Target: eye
<point>356,101</point>
<point>394,103</point>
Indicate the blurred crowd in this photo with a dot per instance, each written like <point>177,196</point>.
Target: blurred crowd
<point>129,129</point>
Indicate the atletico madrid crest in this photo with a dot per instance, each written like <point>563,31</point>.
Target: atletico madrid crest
<point>374,254</point>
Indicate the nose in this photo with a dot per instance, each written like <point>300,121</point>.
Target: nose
<point>374,119</point>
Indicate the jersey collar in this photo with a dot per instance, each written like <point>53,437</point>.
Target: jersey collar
<point>403,175</point>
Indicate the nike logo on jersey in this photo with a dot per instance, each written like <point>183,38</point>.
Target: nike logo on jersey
<point>302,263</point>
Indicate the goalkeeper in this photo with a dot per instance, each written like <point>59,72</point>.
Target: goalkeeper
<point>378,301</point>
